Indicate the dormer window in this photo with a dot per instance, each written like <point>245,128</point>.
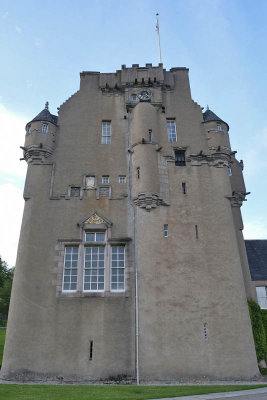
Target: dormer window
<point>219,127</point>
<point>44,128</point>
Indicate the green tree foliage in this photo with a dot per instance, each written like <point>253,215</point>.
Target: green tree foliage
<point>6,278</point>
<point>258,330</point>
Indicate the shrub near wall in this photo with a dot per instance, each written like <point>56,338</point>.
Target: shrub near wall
<point>259,328</point>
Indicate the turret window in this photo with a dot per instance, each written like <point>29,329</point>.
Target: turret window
<point>44,128</point>
<point>219,127</point>
<point>150,136</point>
<point>166,230</point>
<point>106,132</point>
<point>171,130</point>
<point>138,172</point>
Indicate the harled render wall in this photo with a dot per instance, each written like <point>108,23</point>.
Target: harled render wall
<point>184,281</point>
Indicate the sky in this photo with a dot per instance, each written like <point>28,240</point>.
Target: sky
<point>45,45</point>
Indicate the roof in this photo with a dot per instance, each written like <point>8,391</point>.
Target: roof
<point>45,115</point>
<point>257,259</point>
<point>209,115</point>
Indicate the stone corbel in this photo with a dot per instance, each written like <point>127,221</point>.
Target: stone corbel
<point>237,198</point>
<point>149,201</point>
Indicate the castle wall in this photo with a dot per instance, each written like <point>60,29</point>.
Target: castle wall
<point>192,284</point>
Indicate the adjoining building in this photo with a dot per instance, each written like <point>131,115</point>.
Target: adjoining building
<point>257,259</point>
<point>131,260</point>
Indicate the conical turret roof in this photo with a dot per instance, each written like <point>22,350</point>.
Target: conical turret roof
<point>45,115</point>
<point>209,115</point>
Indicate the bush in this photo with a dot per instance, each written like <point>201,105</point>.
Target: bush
<point>259,326</point>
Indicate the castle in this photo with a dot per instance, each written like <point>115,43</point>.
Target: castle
<point>131,260</point>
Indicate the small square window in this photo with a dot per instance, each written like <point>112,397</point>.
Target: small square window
<point>122,179</point>
<point>134,97</point>
<point>105,179</point>
<point>44,128</point>
<point>75,191</point>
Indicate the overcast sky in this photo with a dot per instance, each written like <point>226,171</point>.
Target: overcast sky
<point>45,44</point>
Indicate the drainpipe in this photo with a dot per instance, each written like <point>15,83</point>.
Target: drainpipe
<point>135,252</point>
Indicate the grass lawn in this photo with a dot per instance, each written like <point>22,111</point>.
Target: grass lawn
<point>62,392</point>
<point>2,342</point>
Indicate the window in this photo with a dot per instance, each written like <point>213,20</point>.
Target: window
<point>219,127</point>
<point>70,269</point>
<point>90,182</point>
<point>179,156</point>
<point>44,128</point>
<point>94,268</point>
<point>171,129</point>
<point>184,188</point>
<point>122,179</point>
<point>229,169</point>
<point>105,179</point>
<point>117,268</point>
<point>75,191</point>
<point>138,172</point>
<point>166,230</point>
<point>262,296</point>
<point>134,97</point>
<point>106,132</point>
<point>150,136</point>
<point>94,236</point>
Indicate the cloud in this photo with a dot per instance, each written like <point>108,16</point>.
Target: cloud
<point>12,173</point>
<point>11,210</point>
<point>256,229</point>
<point>12,128</point>
<point>18,29</point>
<point>5,15</point>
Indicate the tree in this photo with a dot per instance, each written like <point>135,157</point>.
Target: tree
<point>6,278</point>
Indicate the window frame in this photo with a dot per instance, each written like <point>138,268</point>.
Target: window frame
<point>166,230</point>
<point>105,180</point>
<point>182,162</point>
<point>124,179</point>
<point>172,133</point>
<point>70,268</point>
<point>106,133</point>
<point>117,268</point>
<point>44,127</point>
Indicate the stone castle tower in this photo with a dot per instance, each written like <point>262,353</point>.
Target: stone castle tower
<point>131,258</point>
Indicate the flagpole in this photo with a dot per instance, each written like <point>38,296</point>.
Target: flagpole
<point>157,29</point>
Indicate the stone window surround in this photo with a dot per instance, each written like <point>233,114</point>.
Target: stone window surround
<point>62,243</point>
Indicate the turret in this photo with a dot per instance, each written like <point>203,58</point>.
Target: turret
<point>40,136</point>
<point>145,146</point>
<point>216,131</point>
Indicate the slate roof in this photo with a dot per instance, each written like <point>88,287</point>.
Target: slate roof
<point>209,115</point>
<point>257,259</point>
<point>45,115</point>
